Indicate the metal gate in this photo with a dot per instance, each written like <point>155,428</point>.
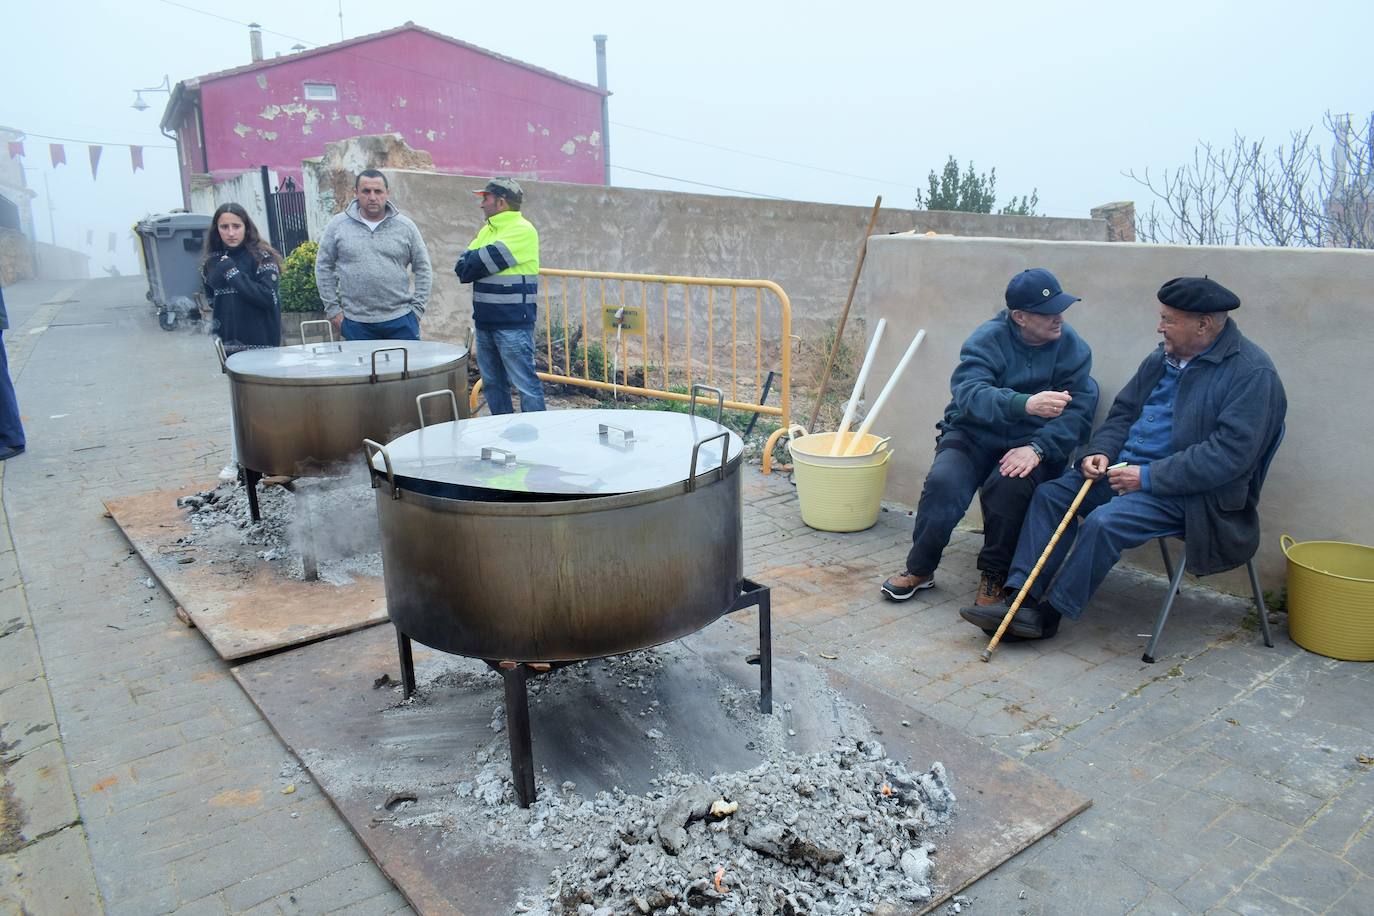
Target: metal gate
<point>285,214</point>
<point>657,336</point>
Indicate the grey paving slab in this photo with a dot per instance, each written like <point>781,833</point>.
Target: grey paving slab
<point>1306,876</point>
<point>53,875</point>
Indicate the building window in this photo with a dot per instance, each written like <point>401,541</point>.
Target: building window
<point>321,92</point>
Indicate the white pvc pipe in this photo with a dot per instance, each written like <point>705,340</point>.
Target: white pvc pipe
<point>887,390</point>
<point>858,387</point>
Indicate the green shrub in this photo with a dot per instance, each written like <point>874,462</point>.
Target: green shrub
<point>297,290</point>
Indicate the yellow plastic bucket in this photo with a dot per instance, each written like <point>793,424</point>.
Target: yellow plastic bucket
<point>839,497</point>
<point>815,448</point>
<point>1331,598</point>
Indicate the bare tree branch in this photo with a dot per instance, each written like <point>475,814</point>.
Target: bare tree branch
<point>1245,194</point>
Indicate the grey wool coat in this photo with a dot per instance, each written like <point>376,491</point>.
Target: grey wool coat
<point>1228,414</point>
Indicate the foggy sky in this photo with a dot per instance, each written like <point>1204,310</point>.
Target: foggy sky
<point>1059,96</point>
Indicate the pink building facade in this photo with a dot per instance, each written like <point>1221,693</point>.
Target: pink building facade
<point>475,112</point>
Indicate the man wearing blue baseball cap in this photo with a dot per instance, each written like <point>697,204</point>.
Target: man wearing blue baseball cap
<point>1181,454</point>
<point>1023,400</point>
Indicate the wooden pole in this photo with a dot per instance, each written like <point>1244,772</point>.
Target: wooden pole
<point>844,315</point>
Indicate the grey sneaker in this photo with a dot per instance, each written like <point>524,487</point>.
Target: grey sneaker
<point>902,586</point>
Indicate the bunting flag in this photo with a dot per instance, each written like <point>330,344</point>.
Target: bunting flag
<point>58,153</point>
<point>16,148</point>
<point>136,157</point>
<point>95,159</point>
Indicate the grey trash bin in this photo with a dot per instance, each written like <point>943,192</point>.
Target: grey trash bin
<point>172,246</point>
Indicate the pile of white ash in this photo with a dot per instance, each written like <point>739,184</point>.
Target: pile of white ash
<point>338,525</point>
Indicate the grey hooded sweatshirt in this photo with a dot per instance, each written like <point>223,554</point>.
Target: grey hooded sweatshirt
<point>363,270</point>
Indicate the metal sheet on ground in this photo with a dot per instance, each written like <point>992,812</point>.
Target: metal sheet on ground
<point>322,701</point>
<point>247,607</point>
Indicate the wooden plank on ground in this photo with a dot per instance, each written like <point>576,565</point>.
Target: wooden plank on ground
<point>248,606</point>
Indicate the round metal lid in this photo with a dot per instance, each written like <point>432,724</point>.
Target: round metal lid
<point>344,359</point>
<point>563,452</point>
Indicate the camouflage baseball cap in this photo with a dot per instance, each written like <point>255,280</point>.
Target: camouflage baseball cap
<point>508,188</point>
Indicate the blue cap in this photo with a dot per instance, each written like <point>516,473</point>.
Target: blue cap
<point>1037,291</point>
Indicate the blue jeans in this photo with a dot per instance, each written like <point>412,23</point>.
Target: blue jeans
<point>962,467</point>
<point>11,428</point>
<point>1110,524</point>
<point>407,327</point>
<point>506,358</point>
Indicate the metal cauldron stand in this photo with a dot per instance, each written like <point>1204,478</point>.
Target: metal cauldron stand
<point>515,675</point>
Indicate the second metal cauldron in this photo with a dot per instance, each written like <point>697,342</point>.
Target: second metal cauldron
<point>303,410</point>
<point>561,535</point>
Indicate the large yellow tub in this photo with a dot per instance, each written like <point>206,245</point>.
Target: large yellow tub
<point>839,493</point>
<point>1331,598</point>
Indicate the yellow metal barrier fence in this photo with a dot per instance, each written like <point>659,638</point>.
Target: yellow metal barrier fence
<point>598,313</point>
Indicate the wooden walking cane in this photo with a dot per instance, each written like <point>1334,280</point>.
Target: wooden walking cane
<point>1045,555</point>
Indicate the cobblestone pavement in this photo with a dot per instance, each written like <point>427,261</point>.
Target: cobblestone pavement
<point>1225,778</point>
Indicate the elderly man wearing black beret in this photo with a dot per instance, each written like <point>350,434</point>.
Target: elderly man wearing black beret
<point>1192,428</point>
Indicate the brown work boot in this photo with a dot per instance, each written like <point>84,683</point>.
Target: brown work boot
<point>902,586</point>
<point>991,591</point>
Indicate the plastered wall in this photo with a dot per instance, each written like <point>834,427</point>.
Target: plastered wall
<point>1310,309</point>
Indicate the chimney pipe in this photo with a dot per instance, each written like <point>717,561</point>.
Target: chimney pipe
<point>255,40</point>
<point>605,108</point>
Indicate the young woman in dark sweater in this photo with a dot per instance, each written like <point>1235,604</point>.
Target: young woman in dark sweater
<point>240,273</point>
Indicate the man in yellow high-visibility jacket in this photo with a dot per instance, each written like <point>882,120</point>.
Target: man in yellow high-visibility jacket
<point>502,264</point>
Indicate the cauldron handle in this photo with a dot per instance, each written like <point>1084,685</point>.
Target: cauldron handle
<point>720,401</point>
<point>724,454</point>
<point>223,359</point>
<point>434,394</point>
<point>603,431</point>
<point>329,327</point>
<point>369,447</point>
<point>405,364</point>
<point>489,453</point>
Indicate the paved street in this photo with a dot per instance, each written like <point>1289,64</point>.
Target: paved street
<point>139,778</point>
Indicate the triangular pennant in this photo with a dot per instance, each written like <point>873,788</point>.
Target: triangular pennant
<point>95,159</point>
<point>136,157</point>
<point>16,148</point>
<point>58,152</point>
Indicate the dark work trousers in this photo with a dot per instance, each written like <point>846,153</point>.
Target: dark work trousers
<point>962,467</point>
<point>1089,549</point>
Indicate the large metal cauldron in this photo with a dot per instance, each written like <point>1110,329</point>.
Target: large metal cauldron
<point>561,535</point>
<point>304,410</point>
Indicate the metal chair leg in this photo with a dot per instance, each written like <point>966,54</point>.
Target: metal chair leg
<point>1174,581</point>
<point>1168,563</point>
<point>1259,603</point>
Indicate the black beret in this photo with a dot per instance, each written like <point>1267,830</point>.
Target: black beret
<point>1198,294</point>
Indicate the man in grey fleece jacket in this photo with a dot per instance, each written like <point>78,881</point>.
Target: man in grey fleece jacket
<point>363,268</point>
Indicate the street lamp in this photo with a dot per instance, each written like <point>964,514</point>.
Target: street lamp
<point>139,104</point>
